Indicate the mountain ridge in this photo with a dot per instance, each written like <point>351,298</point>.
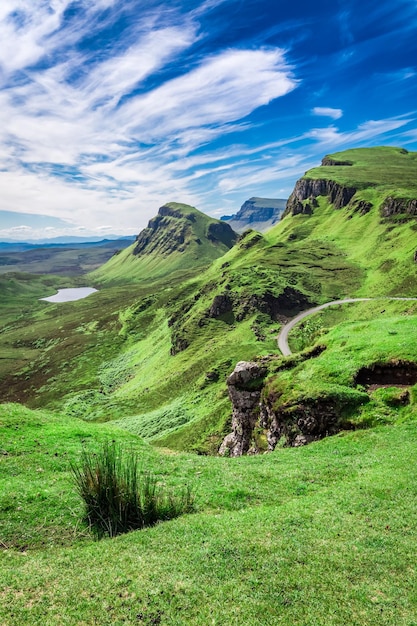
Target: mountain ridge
<point>256,213</point>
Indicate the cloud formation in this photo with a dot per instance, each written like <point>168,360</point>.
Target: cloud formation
<point>109,109</point>
<point>335,114</point>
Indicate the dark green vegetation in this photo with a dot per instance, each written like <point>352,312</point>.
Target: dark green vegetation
<point>119,496</point>
<point>63,259</point>
<point>321,534</point>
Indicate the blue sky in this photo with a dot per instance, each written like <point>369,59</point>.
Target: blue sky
<point>110,108</point>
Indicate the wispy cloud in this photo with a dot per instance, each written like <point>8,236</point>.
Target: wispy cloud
<point>365,132</point>
<point>327,112</point>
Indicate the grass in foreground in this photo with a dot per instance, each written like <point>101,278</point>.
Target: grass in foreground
<point>319,535</point>
<point>119,497</point>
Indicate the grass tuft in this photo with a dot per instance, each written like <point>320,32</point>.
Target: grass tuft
<point>119,497</point>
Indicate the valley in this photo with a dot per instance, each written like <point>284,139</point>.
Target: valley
<point>304,534</point>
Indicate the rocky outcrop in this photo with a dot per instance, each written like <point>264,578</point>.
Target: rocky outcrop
<point>221,305</point>
<point>329,161</point>
<point>295,425</point>
<point>219,231</point>
<point>397,372</point>
<point>244,386</point>
<point>300,424</point>
<point>177,227</point>
<point>308,188</point>
<point>163,234</point>
<point>362,206</point>
<point>262,419</point>
<point>398,206</point>
<point>288,303</point>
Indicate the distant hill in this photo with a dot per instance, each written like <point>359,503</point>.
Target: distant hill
<point>178,238</point>
<point>257,213</point>
<point>63,242</point>
<point>68,259</point>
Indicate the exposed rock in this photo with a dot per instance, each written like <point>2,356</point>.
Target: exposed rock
<point>362,207</point>
<point>397,206</point>
<point>299,424</point>
<point>179,344</point>
<point>244,386</point>
<point>332,162</point>
<point>162,234</point>
<point>249,239</point>
<point>288,303</point>
<point>219,231</point>
<point>383,374</point>
<point>173,230</point>
<point>307,188</point>
<point>256,213</point>
<point>221,305</point>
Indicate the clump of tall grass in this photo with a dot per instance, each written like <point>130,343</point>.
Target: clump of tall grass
<point>119,497</point>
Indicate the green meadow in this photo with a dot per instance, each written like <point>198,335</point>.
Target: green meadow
<point>316,535</point>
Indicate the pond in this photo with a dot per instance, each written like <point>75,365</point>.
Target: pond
<point>70,295</point>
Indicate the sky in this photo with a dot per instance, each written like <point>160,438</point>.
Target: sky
<point>111,108</point>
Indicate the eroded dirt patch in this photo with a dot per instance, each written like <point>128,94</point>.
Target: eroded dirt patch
<point>396,374</point>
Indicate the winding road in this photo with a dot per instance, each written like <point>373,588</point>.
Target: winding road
<point>285,330</point>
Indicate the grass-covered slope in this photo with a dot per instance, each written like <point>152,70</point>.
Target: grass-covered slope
<point>363,373</point>
<point>367,209</point>
<point>152,349</point>
<point>316,535</point>
<point>179,238</point>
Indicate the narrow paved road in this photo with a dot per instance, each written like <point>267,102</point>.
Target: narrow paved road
<point>283,335</point>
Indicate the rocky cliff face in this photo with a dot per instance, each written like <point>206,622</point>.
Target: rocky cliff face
<point>309,189</point>
<point>291,424</point>
<point>256,213</point>
<point>397,206</point>
<point>174,229</point>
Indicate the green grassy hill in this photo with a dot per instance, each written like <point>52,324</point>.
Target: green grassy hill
<point>320,534</point>
<point>179,238</point>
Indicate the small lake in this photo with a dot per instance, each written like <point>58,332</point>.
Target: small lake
<point>70,295</point>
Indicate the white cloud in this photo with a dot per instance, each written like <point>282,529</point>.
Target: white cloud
<point>367,131</point>
<point>335,114</point>
<point>215,93</point>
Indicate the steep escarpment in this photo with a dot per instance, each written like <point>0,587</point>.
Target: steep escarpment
<point>256,213</point>
<point>360,179</point>
<point>398,206</point>
<point>309,189</point>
